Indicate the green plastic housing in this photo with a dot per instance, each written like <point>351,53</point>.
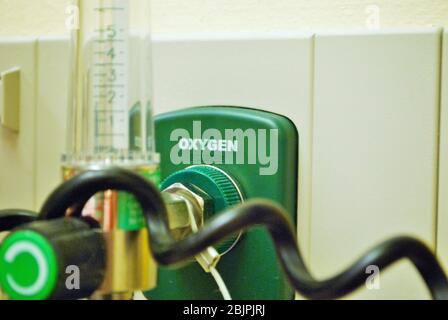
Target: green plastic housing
<point>251,269</point>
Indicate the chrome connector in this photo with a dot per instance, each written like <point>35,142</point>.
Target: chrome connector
<point>186,210</point>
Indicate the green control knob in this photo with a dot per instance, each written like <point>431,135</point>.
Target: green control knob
<point>219,187</point>
<point>59,259</point>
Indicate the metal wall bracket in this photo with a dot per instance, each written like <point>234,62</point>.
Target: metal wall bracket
<point>10,99</point>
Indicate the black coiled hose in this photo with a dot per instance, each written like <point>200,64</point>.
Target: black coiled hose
<point>10,219</point>
<point>166,251</point>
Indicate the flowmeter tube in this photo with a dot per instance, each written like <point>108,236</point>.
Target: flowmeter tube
<point>110,118</point>
<point>110,124</point>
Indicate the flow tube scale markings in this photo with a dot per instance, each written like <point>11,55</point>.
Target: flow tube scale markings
<point>111,76</point>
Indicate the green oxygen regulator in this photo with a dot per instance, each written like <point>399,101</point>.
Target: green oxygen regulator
<point>232,155</point>
<point>227,201</point>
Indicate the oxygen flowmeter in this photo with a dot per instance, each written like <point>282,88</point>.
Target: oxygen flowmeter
<point>111,79</point>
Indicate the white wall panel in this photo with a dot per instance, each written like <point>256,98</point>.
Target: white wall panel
<point>442,230</point>
<point>53,62</point>
<point>17,150</point>
<point>375,152</point>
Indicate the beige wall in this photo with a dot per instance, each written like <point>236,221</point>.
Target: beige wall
<point>46,17</point>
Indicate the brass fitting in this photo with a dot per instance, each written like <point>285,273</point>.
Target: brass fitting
<point>130,266</point>
<point>3,296</point>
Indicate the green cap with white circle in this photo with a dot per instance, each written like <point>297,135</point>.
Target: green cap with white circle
<point>36,259</point>
<point>28,266</point>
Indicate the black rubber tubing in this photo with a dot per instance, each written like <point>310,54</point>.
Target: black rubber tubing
<point>166,251</point>
<point>10,219</point>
